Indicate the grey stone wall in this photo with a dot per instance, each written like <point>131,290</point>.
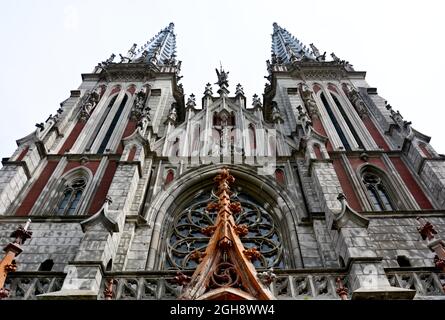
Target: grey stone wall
<point>394,237</point>
<point>58,241</point>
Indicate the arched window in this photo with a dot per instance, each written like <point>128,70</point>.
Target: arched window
<point>347,120</point>
<point>101,122</point>
<point>185,236</point>
<point>110,130</point>
<point>377,192</point>
<point>335,122</point>
<point>71,196</point>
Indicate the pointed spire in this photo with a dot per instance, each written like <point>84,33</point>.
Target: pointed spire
<point>286,48</point>
<point>159,50</point>
<point>225,270</point>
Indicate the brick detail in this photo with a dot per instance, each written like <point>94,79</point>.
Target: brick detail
<point>375,134</point>
<point>346,185</point>
<point>101,193</point>
<point>69,142</point>
<point>36,189</point>
<point>411,183</point>
<point>23,154</point>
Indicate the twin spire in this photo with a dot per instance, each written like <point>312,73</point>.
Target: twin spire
<point>160,50</point>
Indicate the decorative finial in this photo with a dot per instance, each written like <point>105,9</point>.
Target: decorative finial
<point>256,101</point>
<point>191,102</point>
<point>208,90</point>
<point>239,90</point>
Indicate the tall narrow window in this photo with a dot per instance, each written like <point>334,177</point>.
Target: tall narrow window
<point>335,122</point>
<point>110,130</point>
<point>348,122</point>
<point>377,192</point>
<point>101,123</point>
<point>72,193</point>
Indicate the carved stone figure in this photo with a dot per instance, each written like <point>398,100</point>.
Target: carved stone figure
<point>91,99</point>
<point>108,61</point>
<point>356,100</point>
<point>173,114</point>
<point>308,99</point>
<point>222,77</point>
<point>334,57</point>
<point>139,109</point>
<point>318,56</point>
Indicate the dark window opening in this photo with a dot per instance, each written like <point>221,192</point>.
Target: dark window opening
<point>377,192</point>
<point>104,116</point>
<point>46,265</point>
<point>403,261</point>
<point>335,122</point>
<point>341,262</point>
<point>348,122</point>
<point>109,265</point>
<point>110,130</point>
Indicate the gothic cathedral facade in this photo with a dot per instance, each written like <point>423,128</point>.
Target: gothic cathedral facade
<point>323,190</point>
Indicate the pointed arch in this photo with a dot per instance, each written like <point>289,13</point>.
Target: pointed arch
<point>379,188</point>
<point>70,191</point>
<point>168,205</point>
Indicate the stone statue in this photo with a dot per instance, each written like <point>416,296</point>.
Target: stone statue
<point>308,99</point>
<point>356,100</point>
<point>276,115</point>
<point>318,56</point>
<point>91,99</point>
<point>138,110</point>
<point>334,57</point>
<point>108,61</point>
<point>173,114</point>
<point>222,77</point>
<point>132,51</point>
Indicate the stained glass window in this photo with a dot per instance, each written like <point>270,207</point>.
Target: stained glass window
<point>185,235</point>
<point>72,194</point>
<point>377,192</point>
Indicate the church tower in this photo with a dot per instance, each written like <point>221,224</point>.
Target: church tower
<point>310,192</point>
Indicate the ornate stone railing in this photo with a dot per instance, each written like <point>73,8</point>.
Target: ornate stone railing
<point>27,285</point>
<point>427,284</point>
<point>289,284</point>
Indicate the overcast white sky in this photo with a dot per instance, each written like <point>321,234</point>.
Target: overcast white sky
<point>46,45</point>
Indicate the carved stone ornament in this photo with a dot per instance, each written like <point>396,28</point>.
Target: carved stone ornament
<point>225,270</point>
<point>347,215</point>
